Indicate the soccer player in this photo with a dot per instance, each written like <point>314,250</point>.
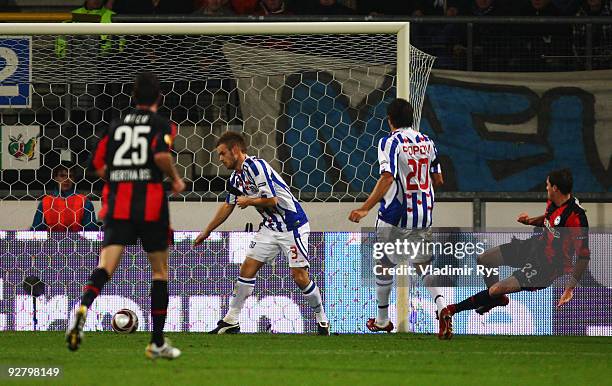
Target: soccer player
<point>409,170</point>
<point>133,157</point>
<point>284,229</point>
<point>541,259</point>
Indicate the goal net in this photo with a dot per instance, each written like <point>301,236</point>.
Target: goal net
<point>311,101</point>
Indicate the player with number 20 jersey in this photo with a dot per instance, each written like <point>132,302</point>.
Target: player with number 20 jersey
<point>410,157</point>
<point>409,168</point>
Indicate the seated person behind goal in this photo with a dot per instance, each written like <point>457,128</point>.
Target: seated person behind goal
<point>284,229</point>
<point>65,209</point>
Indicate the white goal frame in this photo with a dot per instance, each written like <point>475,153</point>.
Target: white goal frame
<point>401,29</point>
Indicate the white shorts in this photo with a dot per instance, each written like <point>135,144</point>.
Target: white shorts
<point>267,244</point>
<point>388,233</point>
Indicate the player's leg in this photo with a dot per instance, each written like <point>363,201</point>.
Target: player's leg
<point>108,262</point>
<point>384,284</point>
<point>515,254</point>
<point>491,258</point>
<point>496,294</point>
<point>436,291</point>
<point>294,245</point>
<point>312,293</point>
<point>243,289</point>
<point>160,347</point>
<point>116,237</point>
<point>261,250</point>
<point>419,239</point>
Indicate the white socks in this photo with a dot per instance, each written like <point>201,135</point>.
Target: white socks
<point>383,291</point>
<point>436,292</point>
<point>313,297</point>
<point>242,290</point>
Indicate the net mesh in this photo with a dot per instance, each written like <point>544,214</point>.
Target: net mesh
<point>313,105</point>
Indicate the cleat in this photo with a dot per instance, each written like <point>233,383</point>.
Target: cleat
<point>445,320</point>
<point>166,351</point>
<point>372,326</point>
<point>502,301</point>
<point>225,328</point>
<point>74,334</point>
<point>323,328</point>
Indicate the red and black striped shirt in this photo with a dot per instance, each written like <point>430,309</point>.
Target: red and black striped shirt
<point>133,188</point>
<point>566,233</point>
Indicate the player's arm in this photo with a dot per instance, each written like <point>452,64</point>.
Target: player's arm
<point>98,159</point>
<point>223,212</point>
<point>387,159</point>
<point>435,168</point>
<point>262,202</point>
<point>524,218</point>
<point>579,236</point>
<point>165,163</point>
<point>260,171</point>
<point>437,179</point>
<point>161,146</point>
<point>382,185</point>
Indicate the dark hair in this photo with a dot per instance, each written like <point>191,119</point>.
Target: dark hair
<point>400,113</point>
<point>60,168</point>
<point>563,179</point>
<point>146,89</point>
<point>231,139</point>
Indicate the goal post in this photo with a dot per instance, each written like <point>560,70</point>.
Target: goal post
<point>82,78</point>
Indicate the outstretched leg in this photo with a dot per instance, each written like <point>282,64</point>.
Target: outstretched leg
<point>313,297</point>
<point>110,256</point>
<point>494,295</point>
<point>491,258</point>
<point>243,288</point>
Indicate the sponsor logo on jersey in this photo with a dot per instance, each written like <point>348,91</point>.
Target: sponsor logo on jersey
<point>556,234</point>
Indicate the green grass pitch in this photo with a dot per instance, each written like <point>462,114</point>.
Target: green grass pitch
<point>277,359</point>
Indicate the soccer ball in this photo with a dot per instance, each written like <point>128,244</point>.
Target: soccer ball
<point>125,321</point>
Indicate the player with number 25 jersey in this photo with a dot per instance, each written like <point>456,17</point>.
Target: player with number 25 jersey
<point>132,157</point>
<point>134,183</point>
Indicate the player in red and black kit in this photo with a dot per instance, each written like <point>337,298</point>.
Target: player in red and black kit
<point>541,259</point>
<point>133,157</point>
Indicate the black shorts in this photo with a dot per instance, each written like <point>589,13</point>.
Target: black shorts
<point>155,236</point>
<point>535,270</point>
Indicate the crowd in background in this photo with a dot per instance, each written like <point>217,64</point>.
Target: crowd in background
<point>448,8</point>
<point>494,47</point>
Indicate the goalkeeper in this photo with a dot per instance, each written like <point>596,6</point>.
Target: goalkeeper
<point>284,229</point>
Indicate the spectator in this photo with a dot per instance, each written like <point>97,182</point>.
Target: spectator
<point>244,7</point>
<point>94,8</point>
<point>440,39</point>
<point>601,35</point>
<point>174,7</point>
<point>131,7</point>
<point>385,7</point>
<point>567,7</point>
<point>9,6</point>
<point>543,47</point>
<point>214,8</point>
<point>327,8</point>
<point>272,7</point>
<point>490,44</point>
<point>431,8</point>
<point>65,210</point>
